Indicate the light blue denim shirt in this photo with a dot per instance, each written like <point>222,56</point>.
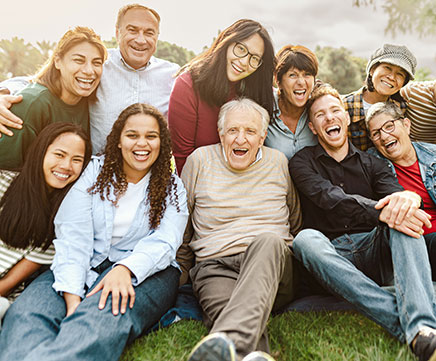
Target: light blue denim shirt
<point>281,137</point>
<point>83,227</point>
<point>426,154</point>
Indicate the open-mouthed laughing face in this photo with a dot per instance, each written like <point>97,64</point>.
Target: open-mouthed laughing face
<point>329,122</point>
<point>242,137</point>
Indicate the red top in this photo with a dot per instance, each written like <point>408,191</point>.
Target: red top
<point>192,122</point>
<point>410,178</point>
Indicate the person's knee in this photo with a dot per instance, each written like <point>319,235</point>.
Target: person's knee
<point>404,240</point>
<point>269,241</point>
<point>308,242</point>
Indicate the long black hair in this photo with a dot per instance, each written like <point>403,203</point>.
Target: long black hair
<point>209,69</point>
<point>28,207</point>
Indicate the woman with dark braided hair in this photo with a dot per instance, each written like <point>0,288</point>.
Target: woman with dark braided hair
<point>117,232</point>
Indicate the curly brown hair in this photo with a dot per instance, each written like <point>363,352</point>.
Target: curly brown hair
<point>162,181</point>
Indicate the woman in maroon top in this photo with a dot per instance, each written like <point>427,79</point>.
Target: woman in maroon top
<point>240,62</point>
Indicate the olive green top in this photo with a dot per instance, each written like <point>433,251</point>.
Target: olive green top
<point>38,109</point>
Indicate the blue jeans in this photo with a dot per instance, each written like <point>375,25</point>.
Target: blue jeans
<point>35,326</point>
<point>356,266</point>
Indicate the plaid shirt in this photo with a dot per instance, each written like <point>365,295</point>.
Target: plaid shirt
<point>357,132</point>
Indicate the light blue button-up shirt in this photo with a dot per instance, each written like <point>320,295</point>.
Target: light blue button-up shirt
<point>84,226</point>
<point>282,138</point>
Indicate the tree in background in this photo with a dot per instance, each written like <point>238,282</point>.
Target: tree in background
<point>423,74</point>
<point>19,58</point>
<point>46,48</point>
<point>340,69</point>
<point>173,52</point>
<point>165,50</point>
<point>112,43</point>
<point>406,15</point>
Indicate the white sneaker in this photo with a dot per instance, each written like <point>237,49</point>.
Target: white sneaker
<point>258,356</point>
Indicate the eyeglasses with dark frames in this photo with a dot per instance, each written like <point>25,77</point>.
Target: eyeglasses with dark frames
<point>241,51</point>
<point>388,127</point>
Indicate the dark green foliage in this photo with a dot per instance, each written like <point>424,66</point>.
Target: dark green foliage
<point>173,52</point>
<point>340,69</point>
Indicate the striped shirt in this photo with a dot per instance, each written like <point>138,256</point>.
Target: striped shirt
<point>230,208</point>
<point>421,110</point>
<point>10,256</point>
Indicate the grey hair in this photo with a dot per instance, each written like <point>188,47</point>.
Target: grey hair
<point>383,108</point>
<point>242,104</point>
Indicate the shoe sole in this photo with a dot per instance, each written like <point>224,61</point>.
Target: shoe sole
<point>213,348</point>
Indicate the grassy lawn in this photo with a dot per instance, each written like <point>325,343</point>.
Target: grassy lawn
<point>293,336</point>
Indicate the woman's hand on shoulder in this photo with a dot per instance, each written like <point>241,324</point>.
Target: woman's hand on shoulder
<point>118,281</point>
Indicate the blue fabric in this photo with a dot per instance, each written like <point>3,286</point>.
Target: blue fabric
<point>317,303</point>
<point>35,327</point>
<point>355,266</point>
<point>185,308</point>
<point>83,227</point>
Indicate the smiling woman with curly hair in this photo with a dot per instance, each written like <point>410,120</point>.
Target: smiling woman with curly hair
<point>112,173</point>
<point>117,233</point>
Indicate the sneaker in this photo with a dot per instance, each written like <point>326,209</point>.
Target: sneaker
<point>214,347</point>
<point>425,347</point>
<point>258,356</point>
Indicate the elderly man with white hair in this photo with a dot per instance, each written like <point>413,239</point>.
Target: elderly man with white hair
<point>244,213</point>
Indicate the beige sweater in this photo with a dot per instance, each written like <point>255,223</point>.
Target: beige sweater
<point>229,208</point>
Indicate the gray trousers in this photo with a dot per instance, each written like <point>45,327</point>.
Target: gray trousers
<point>237,293</point>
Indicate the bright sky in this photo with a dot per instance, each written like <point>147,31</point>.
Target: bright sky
<point>193,23</point>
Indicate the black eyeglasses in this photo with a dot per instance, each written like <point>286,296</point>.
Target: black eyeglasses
<point>388,127</point>
<point>241,51</point>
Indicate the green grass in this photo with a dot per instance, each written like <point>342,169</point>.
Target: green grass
<point>329,336</point>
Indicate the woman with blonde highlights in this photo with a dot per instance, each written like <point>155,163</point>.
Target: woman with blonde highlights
<point>117,233</point>
<point>58,93</point>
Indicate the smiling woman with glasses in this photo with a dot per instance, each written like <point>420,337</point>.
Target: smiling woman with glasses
<point>241,51</point>
<point>240,62</point>
<point>388,127</point>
